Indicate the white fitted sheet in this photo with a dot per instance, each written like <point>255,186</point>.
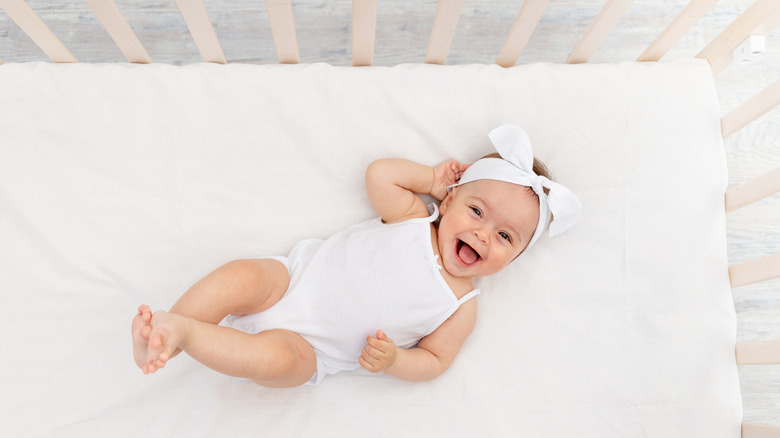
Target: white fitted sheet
<point>125,184</point>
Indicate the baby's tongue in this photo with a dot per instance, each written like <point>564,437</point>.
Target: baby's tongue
<point>467,254</point>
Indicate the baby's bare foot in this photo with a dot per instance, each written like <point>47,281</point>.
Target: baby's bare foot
<point>140,330</point>
<point>169,331</point>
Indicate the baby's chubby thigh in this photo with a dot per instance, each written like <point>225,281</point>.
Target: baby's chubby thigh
<point>259,283</point>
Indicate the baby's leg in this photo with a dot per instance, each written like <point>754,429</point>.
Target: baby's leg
<point>274,358</point>
<point>237,288</point>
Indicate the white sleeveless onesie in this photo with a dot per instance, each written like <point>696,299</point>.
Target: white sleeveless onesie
<point>370,276</point>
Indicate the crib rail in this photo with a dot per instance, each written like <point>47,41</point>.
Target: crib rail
<point>363,32</point>
<point>752,191</point>
<point>689,16</point>
<point>755,271</point>
<point>750,430</point>
<point>521,32</point>
<point>765,268</point>
<point>761,18</point>
<point>761,352</point>
<point>447,14</point>
<point>202,31</point>
<point>283,30</point>
<point>752,109</point>
<point>119,30</point>
<point>34,27</point>
<point>597,32</point>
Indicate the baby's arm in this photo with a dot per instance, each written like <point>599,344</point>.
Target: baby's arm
<point>392,185</point>
<point>433,354</point>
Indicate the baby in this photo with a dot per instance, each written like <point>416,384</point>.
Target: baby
<point>391,294</point>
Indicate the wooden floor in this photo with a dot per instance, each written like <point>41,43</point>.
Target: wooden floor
<point>323,31</point>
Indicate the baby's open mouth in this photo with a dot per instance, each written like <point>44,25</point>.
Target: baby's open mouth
<point>466,253</point>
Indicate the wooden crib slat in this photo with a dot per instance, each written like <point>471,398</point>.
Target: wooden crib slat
<point>751,109</point>
<point>34,27</point>
<point>363,32</point>
<point>760,352</point>
<point>202,31</point>
<point>108,13</point>
<point>769,25</point>
<point>283,30</point>
<point>444,24</point>
<point>522,29</point>
<point>758,17</point>
<point>751,430</point>
<point>598,31</point>
<point>689,16</point>
<point>755,271</point>
<point>752,191</point>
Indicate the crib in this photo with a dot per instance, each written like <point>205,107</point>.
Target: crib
<point>123,181</point>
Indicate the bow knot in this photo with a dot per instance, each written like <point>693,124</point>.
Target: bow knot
<point>537,184</point>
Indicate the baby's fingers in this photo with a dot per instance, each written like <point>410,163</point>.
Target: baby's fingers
<point>454,171</point>
<point>378,354</point>
<point>459,168</point>
<point>381,342</point>
<point>370,362</point>
<point>368,365</point>
<point>372,352</point>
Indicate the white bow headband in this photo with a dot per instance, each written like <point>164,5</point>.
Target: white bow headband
<point>516,167</point>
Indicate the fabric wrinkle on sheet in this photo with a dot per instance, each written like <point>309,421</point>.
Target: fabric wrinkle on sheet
<point>369,276</point>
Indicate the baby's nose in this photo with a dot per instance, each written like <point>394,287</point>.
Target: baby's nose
<point>481,235</point>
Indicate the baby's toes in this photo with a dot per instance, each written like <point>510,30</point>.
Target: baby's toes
<point>144,332</point>
<point>156,341</point>
<point>146,313</point>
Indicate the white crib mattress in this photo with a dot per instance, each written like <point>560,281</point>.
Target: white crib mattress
<point>124,184</point>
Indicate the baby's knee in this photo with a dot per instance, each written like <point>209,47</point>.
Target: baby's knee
<point>281,364</point>
<point>288,364</point>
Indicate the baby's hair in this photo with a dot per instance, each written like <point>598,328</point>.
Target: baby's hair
<point>539,167</point>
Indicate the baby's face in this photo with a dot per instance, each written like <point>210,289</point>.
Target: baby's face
<point>485,224</point>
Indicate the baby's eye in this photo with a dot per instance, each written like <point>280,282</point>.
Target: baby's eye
<point>505,236</point>
<point>476,211</point>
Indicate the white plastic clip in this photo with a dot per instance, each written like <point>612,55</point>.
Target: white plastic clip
<point>753,46</point>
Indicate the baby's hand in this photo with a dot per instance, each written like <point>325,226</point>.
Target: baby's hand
<point>446,174</point>
<point>379,353</point>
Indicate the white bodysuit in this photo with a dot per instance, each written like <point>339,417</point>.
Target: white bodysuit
<point>370,276</point>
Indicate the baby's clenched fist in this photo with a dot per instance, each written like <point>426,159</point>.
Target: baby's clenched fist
<point>379,353</point>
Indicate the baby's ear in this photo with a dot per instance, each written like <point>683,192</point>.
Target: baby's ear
<point>445,203</point>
